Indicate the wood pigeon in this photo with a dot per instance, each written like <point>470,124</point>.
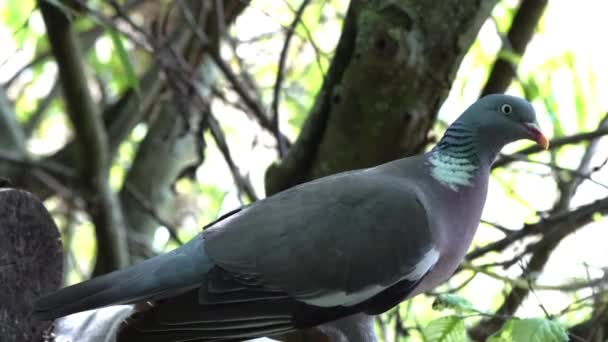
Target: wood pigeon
<point>356,242</point>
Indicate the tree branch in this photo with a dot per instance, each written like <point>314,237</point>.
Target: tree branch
<point>280,74</point>
<point>560,222</point>
<point>91,139</point>
<point>391,71</point>
<point>521,31</point>
<point>564,223</point>
<point>163,155</point>
<point>555,143</point>
<point>294,167</point>
<point>11,135</point>
<point>528,285</point>
<point>242,182</point>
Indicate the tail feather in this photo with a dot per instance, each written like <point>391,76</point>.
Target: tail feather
<point>191,317</point>
<point>154,278</point>
<point>183,318</point>
<point>196,335</point>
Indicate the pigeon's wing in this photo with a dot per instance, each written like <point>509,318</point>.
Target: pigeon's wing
<point>336,242</point>
<point>356,242</point>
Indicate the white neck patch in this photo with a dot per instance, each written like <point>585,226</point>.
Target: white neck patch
<point>452,171</point>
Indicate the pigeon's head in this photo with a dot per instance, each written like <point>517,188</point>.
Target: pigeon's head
<point>500,119</point>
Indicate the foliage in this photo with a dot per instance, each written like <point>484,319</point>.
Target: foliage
<point>452,327</point>
<point>452,301</point>
<point>542,217</point>
<point>445,329</point>
<point>531,330</point>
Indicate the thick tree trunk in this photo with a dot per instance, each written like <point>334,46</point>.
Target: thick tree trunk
<point>393,68</point>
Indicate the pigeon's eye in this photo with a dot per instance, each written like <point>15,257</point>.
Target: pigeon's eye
<point>506,108</point>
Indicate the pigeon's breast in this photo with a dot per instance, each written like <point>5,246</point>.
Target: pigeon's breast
<point>453,222</point>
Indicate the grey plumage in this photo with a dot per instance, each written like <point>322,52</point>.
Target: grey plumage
<point>356,242</point>
<point>159,277</point>
<point>354,328</point>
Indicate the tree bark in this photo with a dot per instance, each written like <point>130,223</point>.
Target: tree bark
<point>393,68</point>
<point>92,141</point>
<point>163,155</point>
<point>31,263</point>
<point>516,41</point>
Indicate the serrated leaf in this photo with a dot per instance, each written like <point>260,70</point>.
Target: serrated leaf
<point>131,75</point>
<point>452,301</point>
<point>446,329</point>
<point>530,330</point>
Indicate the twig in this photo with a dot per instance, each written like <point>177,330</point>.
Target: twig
<point>244,72</point>
<point>533,291</point>
<point>280,75</point>
<point>87,37</point>
<point>563,224</point>
<point>21,28</point>
<point>457,288</point>
<point>555,143</point>
<point>575,218</point>
<point>51,167</point>
<point>109,22</point>
<point>575,173</point>
<point>242,183</point>
<point>254,106</point>
<point>568,308</point>
<point>499,227</point>
<point>601,166</point>
<point>148,208</point>
<point>526,284</point>
<point>36,60</point>
<point>311,41</point>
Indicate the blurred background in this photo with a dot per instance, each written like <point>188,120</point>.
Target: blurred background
<point>138,122</point>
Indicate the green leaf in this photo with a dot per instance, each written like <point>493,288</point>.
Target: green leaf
<point>530,330</point>
<point>131,75</point>
<point>446,329</point>
<point>452,301</point>
<point>14,13</point>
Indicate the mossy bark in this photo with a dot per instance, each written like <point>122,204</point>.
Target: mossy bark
<point>393,68</point>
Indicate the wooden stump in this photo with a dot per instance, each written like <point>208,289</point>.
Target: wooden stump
<point>31,263</point>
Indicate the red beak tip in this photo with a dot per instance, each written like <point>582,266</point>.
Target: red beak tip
<point>537,135</point>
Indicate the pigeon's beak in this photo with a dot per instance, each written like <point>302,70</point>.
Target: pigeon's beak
<point>537,135</point>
